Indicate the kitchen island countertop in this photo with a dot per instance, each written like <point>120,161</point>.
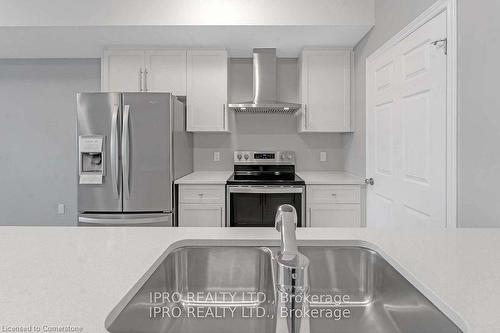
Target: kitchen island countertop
<point>58,276</point>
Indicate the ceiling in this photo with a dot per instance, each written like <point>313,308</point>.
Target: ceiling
<point>88,42</point>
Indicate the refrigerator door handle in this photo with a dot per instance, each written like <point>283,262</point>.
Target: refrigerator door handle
<point>114,151</point>
<point>126,151</point>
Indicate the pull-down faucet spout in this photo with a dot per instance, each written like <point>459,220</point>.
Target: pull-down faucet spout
<point>292,275</point>
<point>286,223</point>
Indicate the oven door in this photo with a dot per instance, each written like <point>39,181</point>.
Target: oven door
<point>256,206</point>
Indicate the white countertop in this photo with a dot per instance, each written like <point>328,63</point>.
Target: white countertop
<point>310,177</point>
<point>75,276</point>
<point>205,178</point>
<point>330,178</point>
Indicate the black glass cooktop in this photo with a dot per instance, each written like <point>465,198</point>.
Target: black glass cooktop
<point>265,175</point>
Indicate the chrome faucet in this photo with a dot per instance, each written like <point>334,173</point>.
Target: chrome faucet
<point>292,276</point>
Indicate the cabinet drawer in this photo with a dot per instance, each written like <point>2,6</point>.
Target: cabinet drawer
<point>202,194</point>
<point>346,194</point>
<point>334,215</point>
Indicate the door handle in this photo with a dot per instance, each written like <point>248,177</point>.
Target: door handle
<point>370,181</point>
<point>114,151</point>
<point>126,151</point>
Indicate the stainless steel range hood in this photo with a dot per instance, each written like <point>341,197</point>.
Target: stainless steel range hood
<point>264,86</point>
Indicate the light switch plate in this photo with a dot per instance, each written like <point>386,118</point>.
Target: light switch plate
<point>60,209</point>
<point>216,156</point>
<point>322,156</point>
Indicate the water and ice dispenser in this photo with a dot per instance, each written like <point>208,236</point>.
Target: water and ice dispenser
<point>91,159</point>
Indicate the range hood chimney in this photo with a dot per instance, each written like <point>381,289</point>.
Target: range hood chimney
<point>264,86</point>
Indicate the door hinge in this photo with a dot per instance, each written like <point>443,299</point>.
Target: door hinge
<point>442,43</point>
<point>369,181</point>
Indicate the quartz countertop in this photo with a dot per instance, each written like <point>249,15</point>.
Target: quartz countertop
<point>330,178</point>
<point>76,276</point>
<point>310,177</point>
<point>205,178</point>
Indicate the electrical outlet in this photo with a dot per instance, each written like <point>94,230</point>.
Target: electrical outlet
<point>60,209</point>
<point>322,156</point>
<point>216,156</point>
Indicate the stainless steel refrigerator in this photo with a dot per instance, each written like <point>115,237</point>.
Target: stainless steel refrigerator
<point>131,147</point>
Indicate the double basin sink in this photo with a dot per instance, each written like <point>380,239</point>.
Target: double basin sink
<point>229,289</point>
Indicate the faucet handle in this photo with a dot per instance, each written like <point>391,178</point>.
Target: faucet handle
<point>292,272</point>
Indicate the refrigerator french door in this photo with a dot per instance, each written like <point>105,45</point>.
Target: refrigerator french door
<point>133,184</point>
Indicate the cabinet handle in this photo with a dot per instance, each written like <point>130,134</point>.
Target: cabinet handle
<point>145,79</point>
<point>310,218</point>
<point>306,118</point>
<point>140,79</point>
<point>221,218</point>
<point>224,116</point>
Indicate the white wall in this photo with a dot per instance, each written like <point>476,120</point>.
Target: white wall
<point>37,131</point>
<point>185,12</point>
<point>266,131</point>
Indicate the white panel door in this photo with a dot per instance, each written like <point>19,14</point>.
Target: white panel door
<point>166,71</point>
<point>406,132</point>
<point>325,90</point>
<point>207,90</point>
<point>122,70</point>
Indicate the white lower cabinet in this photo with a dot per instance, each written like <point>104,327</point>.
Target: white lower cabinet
<point>334,215</point>
<point>201,215</point>
<point>202,206</point>
<point>333,206</point>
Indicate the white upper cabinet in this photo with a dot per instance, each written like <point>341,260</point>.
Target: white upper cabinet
<point>325,90</point>
<point>201,75</point>
<point>122,70</point>
<point>144,70</point>
<point>166,71</point>
<point>207,72</point>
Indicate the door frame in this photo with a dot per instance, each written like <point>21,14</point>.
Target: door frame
<point>450,7</point>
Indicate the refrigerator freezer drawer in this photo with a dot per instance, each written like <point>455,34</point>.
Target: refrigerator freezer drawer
<point>125,220</point>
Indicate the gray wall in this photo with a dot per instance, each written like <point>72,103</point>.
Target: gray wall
<point>266,131</point>
<point>479,113</point>
<point>37,130</point>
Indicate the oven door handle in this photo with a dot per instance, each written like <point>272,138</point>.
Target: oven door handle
<point>271,190</point>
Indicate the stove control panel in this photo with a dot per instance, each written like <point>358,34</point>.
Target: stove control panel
<point>264,157</point>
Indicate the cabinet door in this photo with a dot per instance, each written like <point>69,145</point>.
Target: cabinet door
<point>334,215</point>
<point>166,71</point>
<point>122,70</point>
<point>325,77</point>
<point>207,90</point>
<point>201,215</point>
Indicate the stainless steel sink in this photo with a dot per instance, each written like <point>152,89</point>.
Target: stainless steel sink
<point>203,284</point>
